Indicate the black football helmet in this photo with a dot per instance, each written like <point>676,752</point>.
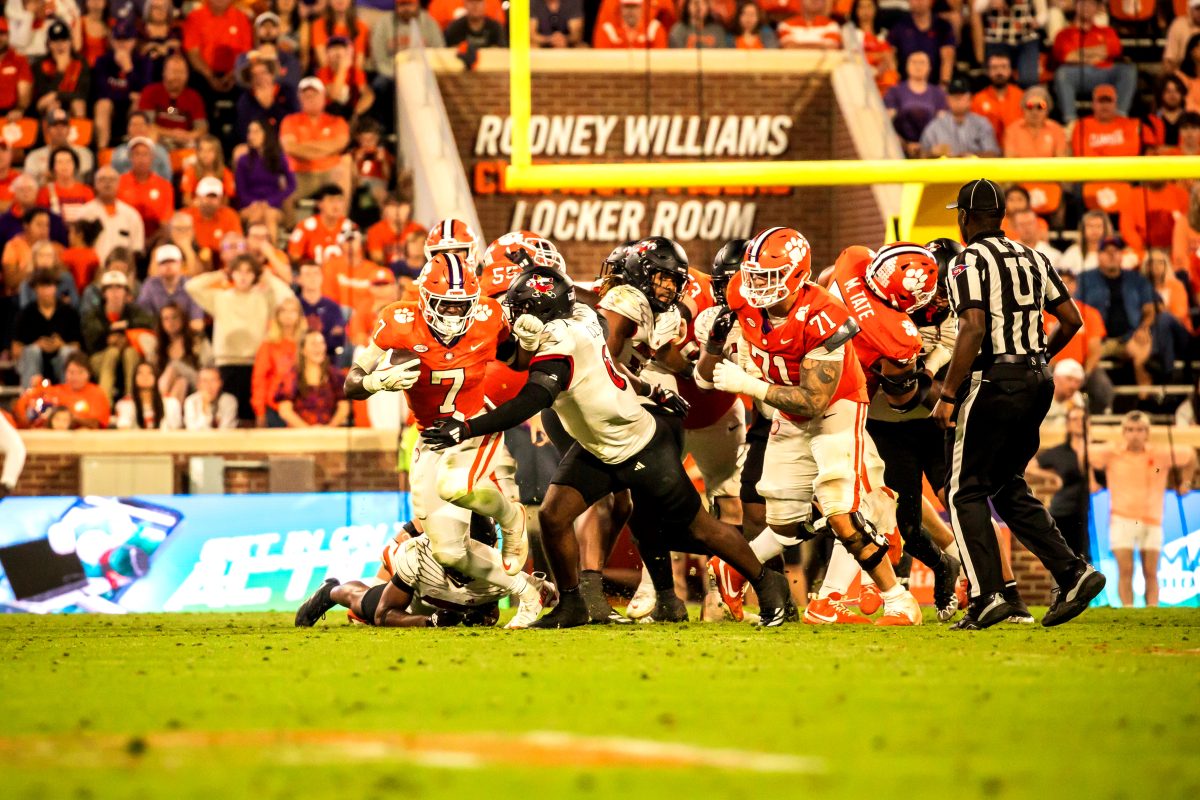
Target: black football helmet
<point>726,263</point>
<point>944,252</point>
<point>657,255</point>
<point>541,291</point>
<point>612,268</point>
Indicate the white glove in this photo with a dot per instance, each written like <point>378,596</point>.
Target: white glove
<point>667,329</point>
<point>394,378</point>
<point>729,377</point>
<point>528,332</point>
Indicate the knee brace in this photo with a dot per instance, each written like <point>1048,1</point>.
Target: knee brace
<point>370,603</point>
<point>865,536</point>
<point>806,530</point>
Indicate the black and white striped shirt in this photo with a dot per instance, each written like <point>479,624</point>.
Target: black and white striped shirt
<point>1013,284</point>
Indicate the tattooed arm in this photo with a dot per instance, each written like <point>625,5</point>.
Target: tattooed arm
<point>818,379</point>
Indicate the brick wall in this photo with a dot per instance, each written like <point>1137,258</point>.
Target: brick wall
<point>832,218</point>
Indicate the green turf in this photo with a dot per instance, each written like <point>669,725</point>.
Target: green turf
<point>1106,707</point>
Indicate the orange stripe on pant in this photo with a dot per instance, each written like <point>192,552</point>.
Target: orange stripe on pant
<point>483,459</point>
<point>859,477</point>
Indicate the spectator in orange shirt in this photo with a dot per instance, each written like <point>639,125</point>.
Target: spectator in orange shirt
<point>1149,213</point>
<point>209,161</point>
<point>212,217</point>
<point>275,361</point>
<point>632,31</point>
<point>1189,72</point>
<point>1087,348</point>
<point>697,29</point>
<point>879,53</point>
<point>151,196</point>
<point>1000,102</point>
<point>811,29</point>
<point>312,237</point>
<point>179,114</point>
<point>1035,135</point>
<point>86,401</point>
<point>1170,290</point>
<point>1107,133</point>
<point>65,195</point>
<point>16,78</point>
<point>347,93</point>
<point>1087,56</point>
<point>214,34</point>
<point>340,19</point>
<point>751,31</point>
<point>373,163</point>
<point>1185,240</point>
<point>315,142</point>
<point>385,239</point>
<point>347,272</point>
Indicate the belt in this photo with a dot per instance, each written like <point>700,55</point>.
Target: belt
<point>1033,360</point>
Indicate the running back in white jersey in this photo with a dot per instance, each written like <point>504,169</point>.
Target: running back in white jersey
<point>653,331</point>
<point>412,562</point>
<point>599,407</point>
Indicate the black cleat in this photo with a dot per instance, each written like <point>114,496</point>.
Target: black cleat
<point>591,588</point>
<point>1020,615</point>
<point>668,608</point>
<point>314,608</point>
<point>571,612</point>
<point>773,595</point>
<point>1074,595</point>
<point>984,612</point>
<point>945,584</point>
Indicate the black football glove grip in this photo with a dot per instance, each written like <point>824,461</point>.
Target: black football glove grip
<point>719,332</point>
<point>446,432</point>
<point>670,401</point>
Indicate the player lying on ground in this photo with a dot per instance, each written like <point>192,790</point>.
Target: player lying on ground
<point>799,336</point>
<point>415,574</point>
<point>619,445</point>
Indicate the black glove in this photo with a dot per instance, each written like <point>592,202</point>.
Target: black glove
<point>719,332</point>
<point>484,617</point>
<point>446,432</point>
<point>445,619</point>
<point>670,401</point>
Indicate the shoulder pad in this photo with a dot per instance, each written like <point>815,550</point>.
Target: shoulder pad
<point>629,303</point>
<point>845,332</point>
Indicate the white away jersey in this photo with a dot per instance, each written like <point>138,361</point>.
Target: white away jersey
<point>412,562</point>
<point>598,407</point>
<point>653,330</point>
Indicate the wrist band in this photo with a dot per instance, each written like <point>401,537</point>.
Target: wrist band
<point>949,398</point>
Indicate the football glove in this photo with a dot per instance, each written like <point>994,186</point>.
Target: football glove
<point>669,400</point>
<point>445,432</point>
<point>718,334</point>
<point>442,618</point>
<point>395,378</point>
<point>729,377</point>
<point>528,332</point>
<point>668,328</point>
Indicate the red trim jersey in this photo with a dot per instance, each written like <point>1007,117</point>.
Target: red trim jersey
<point>777,349</point>
<point>707,407</point>
<point>884,332</point>
<point>453,378</point>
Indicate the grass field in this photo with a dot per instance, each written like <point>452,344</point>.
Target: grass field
<point>231,706</point>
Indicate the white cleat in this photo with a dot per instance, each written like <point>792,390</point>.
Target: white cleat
<point>903,612</point>
<point>514,551</point>
<point>643,599</point>
<point>544,595</point>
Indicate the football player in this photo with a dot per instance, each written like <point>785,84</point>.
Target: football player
<point>453,336</point>
<point>619,445</point>
<point>453,236</point>
<point>414,574</point>
<point>799,336</point>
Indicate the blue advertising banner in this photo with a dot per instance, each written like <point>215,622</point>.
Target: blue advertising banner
<point>1179,561</point>
<point>188,553</point>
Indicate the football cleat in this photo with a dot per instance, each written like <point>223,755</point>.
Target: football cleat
<point>591,586</point>
<point>905,611</point>
<point>945,581</point>
<point>869,599</point>
<point>643,600</point>
<point>571,612</point>
<point>667,609</point>
<point>730,586</point>
<point>1073,596</point>
<point>984,612</point>
<point>832,610</point>
<point>544,595</point>
<point>772,599</point>
<point>314,608</point>
<point>1020,615</point>
<point>514,551</point>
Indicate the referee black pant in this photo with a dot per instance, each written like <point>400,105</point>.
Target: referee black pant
<point>996,435</point>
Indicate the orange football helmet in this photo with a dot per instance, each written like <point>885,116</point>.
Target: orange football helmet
<point>452,236</point>
<point>447,292</point>
<point>776,263</point>
<point>903,275</point>
<point>498,268</point>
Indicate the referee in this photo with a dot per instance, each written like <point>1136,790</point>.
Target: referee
<point>995,394</point>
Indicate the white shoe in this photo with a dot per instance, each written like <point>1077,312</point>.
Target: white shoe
<point>904,611</point>
<point>543,595</point>
<point>514,551</point>
<point>643,599</point>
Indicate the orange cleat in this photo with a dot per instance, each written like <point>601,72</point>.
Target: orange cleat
<point>731,586</point>
<point>869,599</point>
<point>831,610</point>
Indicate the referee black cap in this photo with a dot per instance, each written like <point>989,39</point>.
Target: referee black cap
<point>980,195</point>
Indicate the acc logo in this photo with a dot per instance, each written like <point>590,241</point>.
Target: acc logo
<point>541,286</point>
<point>403,315</point>
<point>795,249</point>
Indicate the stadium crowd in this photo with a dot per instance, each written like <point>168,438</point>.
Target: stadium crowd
<point>203,188</point>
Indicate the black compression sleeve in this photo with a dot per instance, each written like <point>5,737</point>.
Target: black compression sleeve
<point>506,350</point>
<point>546,379</point>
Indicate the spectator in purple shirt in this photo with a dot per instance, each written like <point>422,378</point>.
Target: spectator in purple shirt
<point>321,312</point>
<point>118,78</point>
<point>165,287</point>
<point>914,102</point>
<point>263,177</point>
<point>922,31</point>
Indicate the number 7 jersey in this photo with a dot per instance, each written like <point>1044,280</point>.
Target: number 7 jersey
<point>778,349</point>
<point>452,379</point>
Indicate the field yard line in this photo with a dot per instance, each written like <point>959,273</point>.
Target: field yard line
<point>452,750</point>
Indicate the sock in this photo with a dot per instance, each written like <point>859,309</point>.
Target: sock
<point>891,596</point>
<point>766,545</point>
<point>840,573</point>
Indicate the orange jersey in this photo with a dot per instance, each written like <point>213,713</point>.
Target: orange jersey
<point>311,238</point>
<point>707,407</point>
<point>777,350</point>
<point>884,332</point>
<point>453,378</point>
<point>502,383</point>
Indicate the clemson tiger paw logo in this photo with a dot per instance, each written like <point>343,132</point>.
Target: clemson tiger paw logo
<point>914,280</point>
<point>482,312</point>
<point>795,249</point>
<point>403,316</point>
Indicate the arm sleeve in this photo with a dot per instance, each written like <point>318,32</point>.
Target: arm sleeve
<point>547,378</point>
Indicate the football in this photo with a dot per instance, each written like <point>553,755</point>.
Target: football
<point>398,357</point>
